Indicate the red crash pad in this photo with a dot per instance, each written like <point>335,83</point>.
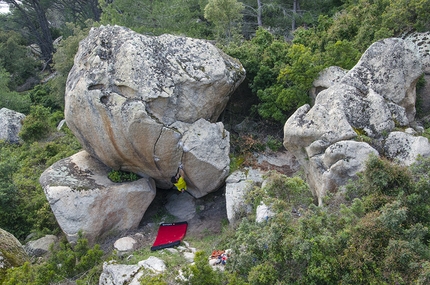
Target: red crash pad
<point>169,235</point>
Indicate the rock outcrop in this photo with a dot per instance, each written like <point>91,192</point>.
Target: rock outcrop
<point>10,125</point>
<point>12,252</point>
<point>83,198</point>
<point>352,118</point>
<point>238,184</point>
<point>147,104</point>
<point>41,246</point>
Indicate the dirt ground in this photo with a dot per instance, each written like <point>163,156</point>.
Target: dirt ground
<point>208,220</point>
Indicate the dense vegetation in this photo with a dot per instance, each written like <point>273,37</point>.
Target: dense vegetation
<point>376,233</point>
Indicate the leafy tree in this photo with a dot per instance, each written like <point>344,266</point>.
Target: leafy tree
<point>63,59</point>
<point>283,17</point>
<point>155,17</point>
<point>14,58</point>
<point>36,125</point>
<point>226,16</point>
<point>292,85</point>
<point>31,18</point>
<point>10,99</point>
<point>78,11</point>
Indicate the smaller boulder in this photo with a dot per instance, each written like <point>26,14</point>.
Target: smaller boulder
<point>154,264</point>
<point>40,246</point>
<point>12,253</point>
<point>114,274</point>
<point>263,213</point>
<point>237,185</point>
<point>125,245</point>
<point>405,148</point>
<point>83,198</point>
<point>181,205</point>
<point>10,125</point>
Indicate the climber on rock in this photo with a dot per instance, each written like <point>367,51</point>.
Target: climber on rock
<point>178,180</point>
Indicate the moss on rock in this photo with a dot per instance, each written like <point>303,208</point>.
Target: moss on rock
<point>12,253</point>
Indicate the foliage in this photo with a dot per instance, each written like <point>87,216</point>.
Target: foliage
<point>380,237</point>
<point>201,273</point>
<point>122,176</point>
<point>10,99</point>
<point>263,57</point>
<point>226,16</point>
<point>273,143</point>
<point>64,56</point>
<point>24,207</point>
<point>182,17</point>
<point>36,126</point>
<point>15,58</point>
<point>65,262</point>
<point>42,95</point>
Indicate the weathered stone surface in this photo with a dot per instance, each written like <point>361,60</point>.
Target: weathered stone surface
<point>12,253</point>
<point>115,274</point>
<point>82,197</point>
<point>40,246</point>
<point>237,185</point>
<point>326,78</point>
<point>10,125</point>
<point>127,94</point>
<point>154,264</point>
<point>125,244</point>
<point>263,213</point>
<point>391,68</point>
<point>405,148</point>
<point>369,101</point>
<point>422,42</point>
<point>181,205</point>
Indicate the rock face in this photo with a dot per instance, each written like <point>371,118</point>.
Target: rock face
<point>146,104</point>
<point>12,253</point>
<point>353,116</point>
<point>84,199</point>
<point>238,184</point>
<point>10,125</point>
<point>40,246</point>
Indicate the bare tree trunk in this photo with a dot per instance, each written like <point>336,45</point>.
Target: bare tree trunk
<point>293,22</point>
<point>259,18</point>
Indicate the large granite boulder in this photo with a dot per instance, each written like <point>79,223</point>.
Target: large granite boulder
<point>352,117</point>
<point>83,198</point>
<point>12,253</point>
<point>10,125</point>
<point>147,104</point>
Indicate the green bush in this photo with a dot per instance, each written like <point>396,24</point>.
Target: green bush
<point>23,205</point>
<point>36,125</point>
<point>201,273</point>
<point>19,102</point>
<point>120,176</point>
<point>42,95</point>
<point>273,143</point>
<point>65,262</point>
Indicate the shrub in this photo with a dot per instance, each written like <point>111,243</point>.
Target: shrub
<point>201,273</point>
<point>120,176</point>
<point>65,262</point>
<point>36,125</point>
